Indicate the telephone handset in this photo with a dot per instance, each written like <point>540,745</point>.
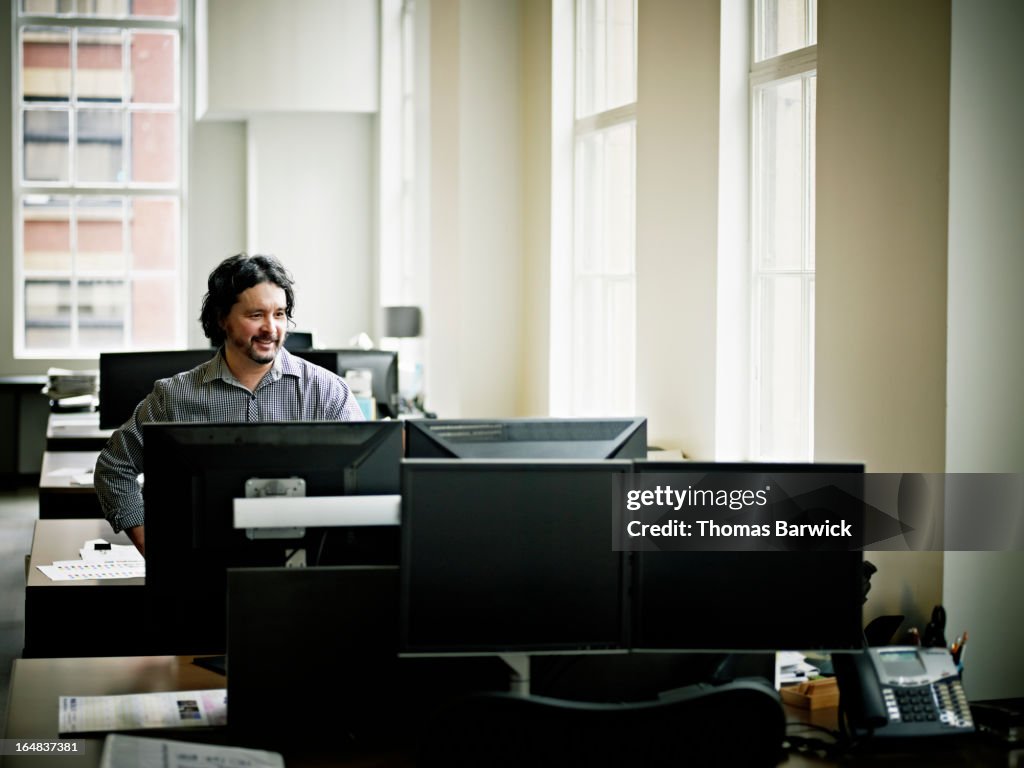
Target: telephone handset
<point>902,691</point>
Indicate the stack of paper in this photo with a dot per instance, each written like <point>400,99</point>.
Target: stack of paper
<point>129,712</point>
<point>120,751</point>
<point>114,561</point>
<point>792,667</point>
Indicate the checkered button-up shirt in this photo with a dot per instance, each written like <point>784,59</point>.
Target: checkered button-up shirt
<point>293,390</point>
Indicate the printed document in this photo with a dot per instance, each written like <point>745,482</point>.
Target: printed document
<point>174,709</point>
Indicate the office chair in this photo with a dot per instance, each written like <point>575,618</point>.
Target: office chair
<point>738,723</point>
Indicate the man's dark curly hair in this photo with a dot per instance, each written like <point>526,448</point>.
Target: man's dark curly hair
<point>233,276</point>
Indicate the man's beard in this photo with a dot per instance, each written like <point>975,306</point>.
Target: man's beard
<point>260,357</point>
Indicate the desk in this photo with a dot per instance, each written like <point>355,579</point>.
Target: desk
<point>76,432</point>
<point>36,685</point>
<point>79,618</point>
<point>23,414</point>
<point>970,750</point>
<point>59,498</point>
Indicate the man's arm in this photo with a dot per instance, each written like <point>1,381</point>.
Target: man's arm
<point>118,467</point>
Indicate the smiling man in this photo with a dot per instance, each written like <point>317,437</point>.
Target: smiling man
<point>246,312</point>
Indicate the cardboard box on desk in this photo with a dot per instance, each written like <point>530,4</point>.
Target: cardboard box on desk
<point>814,694</point>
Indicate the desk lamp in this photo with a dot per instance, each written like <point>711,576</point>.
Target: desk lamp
<point>404,324</point>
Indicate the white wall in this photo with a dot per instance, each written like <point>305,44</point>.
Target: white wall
<point>677,221</point>
<point>310,203</point>
<point>217,215</point>
<point>286,56</point>
<point>474,327</point>
<point>985,377</point>
<point>880,302</point>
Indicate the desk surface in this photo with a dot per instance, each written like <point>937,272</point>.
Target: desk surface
<point>75,431</point>
<point>61,540</point>
<point>59,467</point>
<point>36,685</point>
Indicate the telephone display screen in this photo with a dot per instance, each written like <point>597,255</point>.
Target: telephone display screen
<point>901,663</point>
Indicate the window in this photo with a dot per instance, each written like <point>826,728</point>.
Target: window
<point>98,182</point>
<point>783,83</point>
<point>594,290</point>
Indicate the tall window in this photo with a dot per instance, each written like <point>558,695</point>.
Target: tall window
<point>783,78</point>
<point>598,302</point>
<point>98,187</point>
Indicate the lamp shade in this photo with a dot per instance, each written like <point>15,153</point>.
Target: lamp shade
<point>402,322</point>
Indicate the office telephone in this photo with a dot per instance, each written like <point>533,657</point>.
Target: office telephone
<point>902,691</point>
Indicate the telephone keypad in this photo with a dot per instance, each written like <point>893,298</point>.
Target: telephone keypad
<point>943,702</point>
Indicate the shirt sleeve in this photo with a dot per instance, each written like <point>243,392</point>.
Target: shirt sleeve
<point>121,462</point>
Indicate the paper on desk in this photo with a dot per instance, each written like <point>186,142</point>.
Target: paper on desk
<point>117,552</point>
<point>77,570</point>
<point>174,709</point>
<point>122,751</point>
<point>791,667</point>
<point>69,472</point>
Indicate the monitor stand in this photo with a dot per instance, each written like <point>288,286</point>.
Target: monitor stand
<point>519,677</point>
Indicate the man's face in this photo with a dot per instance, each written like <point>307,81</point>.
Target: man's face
<point>257,323</point>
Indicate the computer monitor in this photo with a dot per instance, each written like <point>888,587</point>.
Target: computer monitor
<point>198,478</point>
<point>127,377</point>
<point>382,364</point>
<point>298,340</point>
<point>510,557</point>
<point>551,438</point>
<point>751,600</point>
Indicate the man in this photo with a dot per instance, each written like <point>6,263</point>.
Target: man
<point>252,377</point>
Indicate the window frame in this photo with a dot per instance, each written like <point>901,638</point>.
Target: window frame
<point>568,275</point>
<point>75,192</point>
<point>799,64</point>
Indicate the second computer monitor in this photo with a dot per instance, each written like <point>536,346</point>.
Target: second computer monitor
<point>510,557</point>
<point>550,438</point>
<point>751,600</point>
<point>127,377</point>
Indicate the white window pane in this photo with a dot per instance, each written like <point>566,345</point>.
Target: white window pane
<point>46,64</point>
<point>99,155</point>
<point>784,365</point>
<point>102,308</point>
<point>605,55</point>
<point>154,228</point>
<point>155,147</point>
<point>606,201</point>
<point>154,67</point>
<point>783,26</point>
<point>100,235</point>
<point>604,347</point>
<point>46,152</point>
<point>154,311</point>
<point>102,8</point>
<point>46,233</point>
<point>99,71</point>
<point>47,314</point>
<point>810,176</point>
<point>781,173</point>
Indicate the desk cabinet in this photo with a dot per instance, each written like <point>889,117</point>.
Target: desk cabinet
<point>80,618</point>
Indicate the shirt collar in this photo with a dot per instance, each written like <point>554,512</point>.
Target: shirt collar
<point>217,368</point>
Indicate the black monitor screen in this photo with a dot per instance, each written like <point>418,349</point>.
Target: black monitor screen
<point>382,364</point>
<point>510,556</point>
<point>298,340</point>
<point>610,438</point>
<point>195,471</point>
<point>746,600</point>
<point>127,377</point>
